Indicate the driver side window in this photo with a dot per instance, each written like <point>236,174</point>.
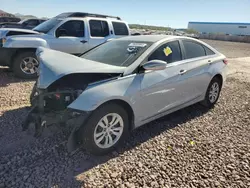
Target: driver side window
<point>72,28</point>
<point>169,52</point>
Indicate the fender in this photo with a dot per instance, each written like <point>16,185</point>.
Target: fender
<point>125,88</point>
<point>25,42</point>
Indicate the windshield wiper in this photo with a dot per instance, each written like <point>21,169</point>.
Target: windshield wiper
<point>39,31</point>
<point>91,49</point>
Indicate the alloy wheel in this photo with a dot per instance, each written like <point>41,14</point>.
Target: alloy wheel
<point>29,65</point>
<point>108,130</point>
<point>214,92</point>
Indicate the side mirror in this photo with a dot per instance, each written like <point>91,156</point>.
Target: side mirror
<point>155,65</point>
<point>61,33</point>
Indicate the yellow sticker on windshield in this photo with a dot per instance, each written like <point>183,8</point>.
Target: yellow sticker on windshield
<point>167,51</point>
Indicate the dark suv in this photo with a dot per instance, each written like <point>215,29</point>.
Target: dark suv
<point>24,24</point>
<point>9,19</point>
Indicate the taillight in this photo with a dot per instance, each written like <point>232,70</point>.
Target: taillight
<point>225,61</point>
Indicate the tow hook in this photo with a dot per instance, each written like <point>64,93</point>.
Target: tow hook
<point>43,124</point>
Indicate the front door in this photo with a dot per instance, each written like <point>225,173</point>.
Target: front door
<point>70,37</point>
<point>161,90</point>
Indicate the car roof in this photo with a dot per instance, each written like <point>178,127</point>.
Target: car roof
<point>149,38</point>
<point>16,29</point>
<point>157,38</point>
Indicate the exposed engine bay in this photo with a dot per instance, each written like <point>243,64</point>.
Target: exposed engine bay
<point>66,89</point>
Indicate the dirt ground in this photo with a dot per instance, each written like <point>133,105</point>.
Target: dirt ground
<point>189,148</point>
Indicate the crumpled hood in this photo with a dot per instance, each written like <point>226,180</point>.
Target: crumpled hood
<point>55,64</point>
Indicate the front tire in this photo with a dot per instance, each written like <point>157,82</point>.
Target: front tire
<point>26,65</point>
<point>212,93</point>
<point>105,129</point>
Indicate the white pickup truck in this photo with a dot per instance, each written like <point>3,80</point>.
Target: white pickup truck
<point>72,32</point>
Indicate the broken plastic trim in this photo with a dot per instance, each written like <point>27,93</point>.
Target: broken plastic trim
<point>42,116</point>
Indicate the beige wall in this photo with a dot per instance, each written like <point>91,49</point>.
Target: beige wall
<point>226,37</point>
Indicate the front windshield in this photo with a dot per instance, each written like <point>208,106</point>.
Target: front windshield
<point>117,52</point>
<point>46,26</point>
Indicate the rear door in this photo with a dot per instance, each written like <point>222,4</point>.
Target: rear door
<point>194,71</point>
<point>120,29</point>
<point>99,32</point>
<point>70,37</point>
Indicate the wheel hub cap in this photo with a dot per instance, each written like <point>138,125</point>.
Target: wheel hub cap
<point>108,130</point>
<point>29,65</point>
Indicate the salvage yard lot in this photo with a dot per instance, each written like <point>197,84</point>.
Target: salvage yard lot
<point>189,148</point>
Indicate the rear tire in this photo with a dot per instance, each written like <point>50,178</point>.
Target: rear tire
<point>91,133</point>
<point>25,65</point>
<point>212,93</point>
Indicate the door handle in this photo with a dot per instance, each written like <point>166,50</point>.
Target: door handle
<point>182,72</point>
<point>83,41</point>
<point>209,62</point>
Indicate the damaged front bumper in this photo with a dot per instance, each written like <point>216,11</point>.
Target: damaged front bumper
<point>50,108</point>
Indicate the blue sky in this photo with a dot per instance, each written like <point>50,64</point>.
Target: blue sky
<point>175,13</point>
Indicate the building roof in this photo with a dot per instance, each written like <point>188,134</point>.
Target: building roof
<point>220,23</point>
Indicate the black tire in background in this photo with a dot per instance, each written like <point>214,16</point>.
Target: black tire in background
<point>86,133</point>
<point>207,102</point>
<point>16,67</point>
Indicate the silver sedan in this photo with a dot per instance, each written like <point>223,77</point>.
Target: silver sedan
<point>122,84</point>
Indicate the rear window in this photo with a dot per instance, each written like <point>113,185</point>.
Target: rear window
<point>208,51</point>
<point>120,28</point>
<point>193,49</point>
<point>98,28</point>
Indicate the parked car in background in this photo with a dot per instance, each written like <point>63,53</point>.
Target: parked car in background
<point>24,24</point>
<point>6,32</point>
<point>121,85</point>
<point>193,35</point>
<point>73,33</point>
<point>31,23</point>
<point>137,33</point>
<point>9,19</point>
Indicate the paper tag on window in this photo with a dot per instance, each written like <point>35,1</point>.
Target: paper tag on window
<point>167,51</point>
<point>141,45</point>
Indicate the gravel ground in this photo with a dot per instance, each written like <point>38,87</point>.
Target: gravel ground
<point>189,148</point>
<point>13,91</point>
